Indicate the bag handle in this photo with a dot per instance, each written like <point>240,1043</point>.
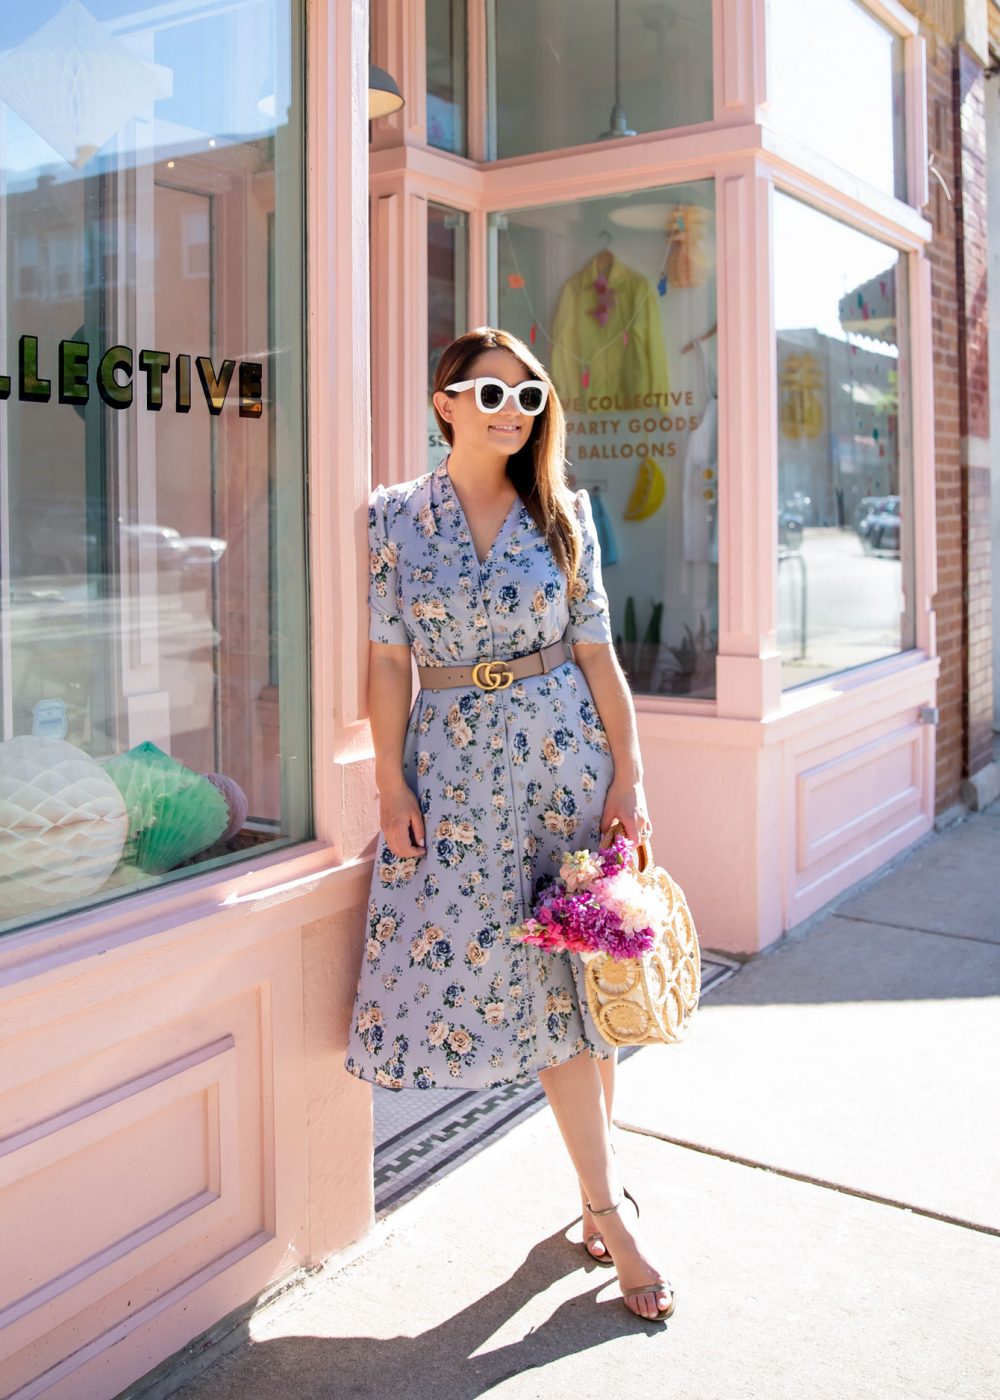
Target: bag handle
<point>643,849</point>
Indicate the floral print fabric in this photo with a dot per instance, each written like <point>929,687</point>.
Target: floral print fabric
<point>506,781</point>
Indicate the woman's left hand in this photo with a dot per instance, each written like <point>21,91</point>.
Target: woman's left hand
<point>627,802</point>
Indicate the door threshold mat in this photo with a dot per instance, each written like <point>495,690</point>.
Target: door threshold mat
<point>421,1134</point>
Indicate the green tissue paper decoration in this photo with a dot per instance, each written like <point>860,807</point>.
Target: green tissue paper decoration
<point>173,812</point>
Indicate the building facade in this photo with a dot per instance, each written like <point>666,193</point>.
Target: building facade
<point>750,241</point>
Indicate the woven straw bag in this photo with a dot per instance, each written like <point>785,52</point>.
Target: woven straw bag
<point>648,1000</point>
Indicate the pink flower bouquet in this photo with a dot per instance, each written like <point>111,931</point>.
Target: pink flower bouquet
<point>597,904</point>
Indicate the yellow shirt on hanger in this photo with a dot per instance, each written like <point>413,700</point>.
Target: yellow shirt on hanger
<point>592,316</point>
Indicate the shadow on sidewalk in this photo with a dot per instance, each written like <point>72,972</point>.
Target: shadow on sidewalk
<point>439,1362</point>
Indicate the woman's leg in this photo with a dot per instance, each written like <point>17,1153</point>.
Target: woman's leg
<point>606,1068</point>
<point>575,1094</point>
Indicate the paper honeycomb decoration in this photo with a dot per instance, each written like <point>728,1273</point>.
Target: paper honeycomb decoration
<point>236,801</point>
<point>63,824</point>
<point>173,812</point>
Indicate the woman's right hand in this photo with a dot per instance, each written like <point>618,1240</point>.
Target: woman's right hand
<point>401,819</point>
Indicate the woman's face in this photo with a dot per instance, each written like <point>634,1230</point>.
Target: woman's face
<point>504,432</point>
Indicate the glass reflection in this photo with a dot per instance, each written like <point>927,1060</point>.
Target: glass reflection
<point>836,83</point>
<point>149,203</point>
<point>845,556</point>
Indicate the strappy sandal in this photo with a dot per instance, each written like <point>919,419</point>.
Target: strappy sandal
<point>588,1240</point>
<point>656,1285</point>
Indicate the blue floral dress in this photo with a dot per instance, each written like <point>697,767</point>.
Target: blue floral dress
<point>506,781</point>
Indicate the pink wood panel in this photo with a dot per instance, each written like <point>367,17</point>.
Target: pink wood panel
<point>895,14</point>
<point>924,465</point>
<point>338,439</point>
<point>453,180</point>
<point>752,834</point>
<point>748,670</point>
<point>857,797</point>
<point>399,347</point>
<point>812,178</point>
<point>398,45</point>
<point>915,81</point>
<point>724,854</point>
<point>168,1138</point>
<point>652,159</point>
<point>739,70</point>
<point>478,41</point>
<point>338,1106</point>
<point>206,1055</point>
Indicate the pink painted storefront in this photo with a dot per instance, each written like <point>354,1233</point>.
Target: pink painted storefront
<point>222,292</point>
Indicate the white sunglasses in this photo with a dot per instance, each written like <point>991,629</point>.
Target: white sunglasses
<point>530,396</point>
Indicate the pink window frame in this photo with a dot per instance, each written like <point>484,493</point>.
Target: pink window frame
<point>748,158</point>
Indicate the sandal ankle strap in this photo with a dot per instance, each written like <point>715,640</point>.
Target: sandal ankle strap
<point>607,1210</point>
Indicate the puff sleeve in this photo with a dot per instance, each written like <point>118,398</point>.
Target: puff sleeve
<point>589,611</point>
<point>386,622</point>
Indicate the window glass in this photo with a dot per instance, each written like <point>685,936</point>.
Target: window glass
<point>446,69</point>
<point>618,297</point>
<point>153,687</point>
<point>835,82</point>
<point>845,546</point>
<point>570,72</point>
<point>447,283</point>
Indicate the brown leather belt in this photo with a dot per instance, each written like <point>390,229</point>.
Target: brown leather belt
<point>495,674</point>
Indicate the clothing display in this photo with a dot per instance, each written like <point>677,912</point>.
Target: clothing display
<point>507,780</point>
<point>701,461</point>
<point>605,532</point>
<point>609,327</point>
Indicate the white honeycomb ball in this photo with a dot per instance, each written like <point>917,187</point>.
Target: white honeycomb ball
<point>62,824</point>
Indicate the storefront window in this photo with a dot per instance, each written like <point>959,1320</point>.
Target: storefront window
<point>153,682</point>
<point>618,297</point>
<point>835,82</point>
<point>447,293</point>
<point>845,533</point>
<point>446,70</point>
<point>569,72</point>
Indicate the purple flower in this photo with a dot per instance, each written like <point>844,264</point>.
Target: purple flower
<point>620,945</point>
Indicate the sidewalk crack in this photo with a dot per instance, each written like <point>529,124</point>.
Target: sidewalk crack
<point>915,928</point>
<point>826,1185</point>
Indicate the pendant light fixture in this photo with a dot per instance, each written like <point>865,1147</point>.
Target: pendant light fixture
<point>618,122</point>
<point>384,95</point>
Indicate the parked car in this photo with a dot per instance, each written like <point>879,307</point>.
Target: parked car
<point>879,528</point>
<point>865,507</point>
<point>791,523</point>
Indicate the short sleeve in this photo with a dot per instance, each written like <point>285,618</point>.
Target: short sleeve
<point>386,621</point>
<point>589,612</point>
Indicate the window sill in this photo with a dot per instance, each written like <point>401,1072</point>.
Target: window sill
<point>908,677</point>
<point>303,876</point>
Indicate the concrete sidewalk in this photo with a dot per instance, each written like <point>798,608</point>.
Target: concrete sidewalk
<point>819,1166</point>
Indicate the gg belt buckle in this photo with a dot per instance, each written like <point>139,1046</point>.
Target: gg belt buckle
<point>484,675</point>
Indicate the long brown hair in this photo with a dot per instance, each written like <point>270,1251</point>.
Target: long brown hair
<point>538,469</point>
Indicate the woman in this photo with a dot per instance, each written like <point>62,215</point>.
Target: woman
<point>495,771</point>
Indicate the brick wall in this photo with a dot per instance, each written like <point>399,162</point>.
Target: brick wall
<point>948,601</point>
<point>958,255</point>
<point>974,398</point>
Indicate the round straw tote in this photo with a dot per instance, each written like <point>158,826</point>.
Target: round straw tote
<point>648,1000</point>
